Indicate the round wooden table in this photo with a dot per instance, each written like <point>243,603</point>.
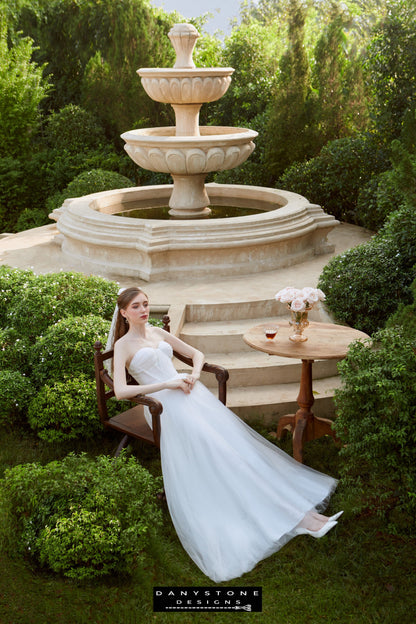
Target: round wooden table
<point>326,341</point>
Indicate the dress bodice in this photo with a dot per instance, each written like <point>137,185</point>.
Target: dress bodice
<point>153,364</point>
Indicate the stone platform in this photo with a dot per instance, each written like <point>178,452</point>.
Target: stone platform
<point>213,314</point>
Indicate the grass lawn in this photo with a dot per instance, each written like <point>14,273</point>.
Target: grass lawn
<point>355,574</point>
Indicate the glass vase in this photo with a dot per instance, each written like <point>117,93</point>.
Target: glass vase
<point>299,322</point>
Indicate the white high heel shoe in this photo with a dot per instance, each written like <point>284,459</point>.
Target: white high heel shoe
<point>335,516</point>
<point>322,531</point>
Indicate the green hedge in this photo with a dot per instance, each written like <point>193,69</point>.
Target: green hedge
<point>376,416</point>
<point>67,348</point>
<point>366,284</point>
<point>45,299</point>
<point>65,410</point>
<point>16,391</point>
<point>81,517</point>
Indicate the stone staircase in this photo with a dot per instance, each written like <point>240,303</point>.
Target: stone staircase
<point>260,385</point>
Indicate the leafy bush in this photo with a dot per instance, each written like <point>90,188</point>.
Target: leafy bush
<point>405,316</point>
<point>376,409</point>
<point>335,177</point>
<point>14,351</point>
<point>12,282</point>
<point>67,348</point>
<point>74,129</point>
<point>48,298</point>
<point>15,393</point>
<point>29,219</point>
<point>65,410</point>
<point>365,285</point>
<point>82,517</point>
<point>89,182</point>
<point>376,200</point>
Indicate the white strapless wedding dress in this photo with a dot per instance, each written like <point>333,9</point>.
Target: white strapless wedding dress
<point>233,496</point>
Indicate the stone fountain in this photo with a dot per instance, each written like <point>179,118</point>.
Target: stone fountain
<point>288,229</point>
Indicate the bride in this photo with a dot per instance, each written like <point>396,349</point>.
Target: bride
<point>234,497</point>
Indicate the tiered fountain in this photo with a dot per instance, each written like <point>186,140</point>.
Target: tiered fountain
<point>286,229</point>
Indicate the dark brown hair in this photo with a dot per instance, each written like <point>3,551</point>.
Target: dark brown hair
<point>123,301</point>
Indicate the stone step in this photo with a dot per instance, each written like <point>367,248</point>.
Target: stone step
<point>254,368</point>
<point>270,402</point>
<point>226,336</point>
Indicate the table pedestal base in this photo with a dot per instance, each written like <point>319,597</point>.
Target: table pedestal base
<point>304,425</point>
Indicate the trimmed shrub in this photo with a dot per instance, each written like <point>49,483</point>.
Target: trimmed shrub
<point>366,284</point>
<point>376,409</point>
<point>82,517</point>
<point>48,298</point>
<point>65,410</point>
<point>16,391</point>
<point>67,348</point>
<point>335,177</point>
<point>74,129</point>
<point>12,282</point>
<point>88,182</point>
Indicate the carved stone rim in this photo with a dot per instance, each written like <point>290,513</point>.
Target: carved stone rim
<point>198,72</point>
<point>211,135</point>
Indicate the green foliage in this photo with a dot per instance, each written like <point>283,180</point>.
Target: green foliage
<point>22,88</point>
<point>365,285</point>
<point>289,133</point>
<point>48,298</point>
<point>12,283</point>
<point>376,409</point>
<point>66,348</point>
<point>391,60</point>
<point>83,518</point>
<point>377,199</point>
<point>250,46</point>
<point>93,52</point>
<point>405,316</point>
<point>65,410</point>
<point>339,93</point>
<point>14,351</point>
<point>74,129</point>
<point>335,177</point>
<point>15,393</point>
<point>29,219</point>
<point>89,182</point>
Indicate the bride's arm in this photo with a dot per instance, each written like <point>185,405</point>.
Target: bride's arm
<point>197,357</point>
<point>122,390</point>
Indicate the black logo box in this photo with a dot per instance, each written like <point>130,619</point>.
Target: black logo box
<point>207,599</point>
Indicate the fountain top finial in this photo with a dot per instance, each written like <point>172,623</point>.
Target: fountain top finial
<point>183,38</point>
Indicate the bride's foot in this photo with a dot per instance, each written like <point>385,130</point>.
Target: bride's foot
<point>319,533</point>
<point>314,521</point>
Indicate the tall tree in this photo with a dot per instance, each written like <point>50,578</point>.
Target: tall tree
<point>392,68</point>
<point>93,49</point>
<point>337,80</point>
<point>289,127</point>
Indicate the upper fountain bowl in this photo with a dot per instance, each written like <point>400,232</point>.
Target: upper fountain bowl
<point>186,86</point>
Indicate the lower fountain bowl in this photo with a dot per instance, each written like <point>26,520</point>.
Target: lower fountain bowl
<point>288,231</point>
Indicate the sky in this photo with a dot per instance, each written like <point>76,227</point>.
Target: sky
<point>223,11</point>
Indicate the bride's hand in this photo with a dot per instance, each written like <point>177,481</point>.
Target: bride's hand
<point>190,380</point>
<point>179,384</point>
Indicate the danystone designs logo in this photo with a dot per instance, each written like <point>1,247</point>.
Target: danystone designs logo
<point>237,599</point>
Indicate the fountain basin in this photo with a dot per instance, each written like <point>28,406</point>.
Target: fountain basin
<point>216,149</point>
<point>186,86</point>
<point>290,230</point>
